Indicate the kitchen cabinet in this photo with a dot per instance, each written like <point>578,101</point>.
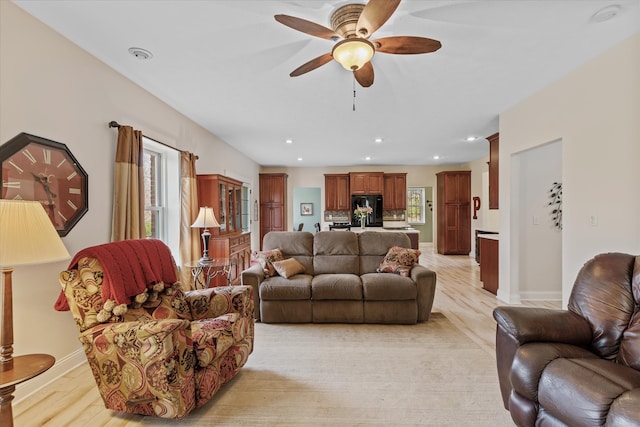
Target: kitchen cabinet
<point>366,182</point>
<point>273,203</point>
<point>395,191</point>
<point>224,195</point>
<point>454,212</point>
<point>336,192</point>
<point>489,266</point>
<point>494,143</point>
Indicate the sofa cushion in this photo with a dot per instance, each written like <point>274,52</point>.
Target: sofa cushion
<point>288,267</point>
<point>266,260</point>
<point>531,359</point>
<point>292,244</point>
<point>213,337</point>
<point>336,287</point>
<point>388,287</point>
<point>374,245</point>
<point>608,309</point>
<point>399,261</point>
<point>278,288</point>
<point>625,410</point>
<point>591,385</point>
<point>335,252</point>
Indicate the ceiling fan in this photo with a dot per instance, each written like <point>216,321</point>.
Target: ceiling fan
<point>354,24</point>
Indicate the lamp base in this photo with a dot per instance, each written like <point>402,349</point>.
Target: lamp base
<point>6,330</point>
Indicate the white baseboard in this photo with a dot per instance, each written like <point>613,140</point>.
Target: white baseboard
<point>60,368</point>
<point>541,296</point>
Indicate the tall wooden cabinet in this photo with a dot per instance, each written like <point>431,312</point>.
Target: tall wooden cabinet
<point>494,178</point>
<point>273,203</point>
<point>224,195</point>
<point>336,192</point>
<point>395,191</point>
<point>454,212</point>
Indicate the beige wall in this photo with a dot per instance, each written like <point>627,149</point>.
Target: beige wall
<point>595,112</point>
<point>51,88</point>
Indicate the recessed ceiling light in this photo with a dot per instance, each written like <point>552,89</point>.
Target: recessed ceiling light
<point>378,140</point>
<point>606,13</point>
<point>367,158</point>
<point>436,157</point>
<point>140,53</point>
<point>471,138</point>
<point>299,159</point>
<point>289,141</point>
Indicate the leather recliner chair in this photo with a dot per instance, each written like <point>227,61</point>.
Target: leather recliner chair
<point>581,366</point>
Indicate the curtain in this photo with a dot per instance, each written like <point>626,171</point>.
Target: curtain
<point>128,188</point>
<point>189,237</point>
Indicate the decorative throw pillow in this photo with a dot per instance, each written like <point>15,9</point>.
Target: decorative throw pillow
<point>266,260</point>
<point>399,261</point>
<point>288,267</point>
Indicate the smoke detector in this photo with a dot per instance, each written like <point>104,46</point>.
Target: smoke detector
<point>606,13</point>
<point>142,54</point>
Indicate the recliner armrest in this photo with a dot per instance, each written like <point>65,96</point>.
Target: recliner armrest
<point>214,302</point>
<point>529,324</point>
<point>253,276</point>
<point>425,280</point>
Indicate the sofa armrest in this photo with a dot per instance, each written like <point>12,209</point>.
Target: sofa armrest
<point>214,302</point>
<point>519,325</point>
<point>253,276</point>
<point>425,280</point>
<point>527,324</point>
<point>143,366</point>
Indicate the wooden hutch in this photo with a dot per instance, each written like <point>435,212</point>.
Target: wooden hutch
<point>224,195</point>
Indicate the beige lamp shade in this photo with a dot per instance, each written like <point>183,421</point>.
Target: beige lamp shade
<point>27,235</point>
<point>206,219</point>
<point>353,53</point>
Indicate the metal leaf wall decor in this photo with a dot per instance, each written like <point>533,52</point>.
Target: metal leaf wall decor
<point>555,194</point>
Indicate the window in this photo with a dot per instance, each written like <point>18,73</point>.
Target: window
<point>153,195</point>
<point>246,194</point>
<point>161,184</point>
<point>415,205</point>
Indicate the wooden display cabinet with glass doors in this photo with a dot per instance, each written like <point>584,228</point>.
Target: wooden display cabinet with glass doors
<point>230,241</point>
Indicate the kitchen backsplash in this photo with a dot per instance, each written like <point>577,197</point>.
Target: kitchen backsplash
<point>345,216</point>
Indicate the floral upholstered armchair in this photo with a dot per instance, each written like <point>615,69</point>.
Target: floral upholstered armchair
<point>162,351</point>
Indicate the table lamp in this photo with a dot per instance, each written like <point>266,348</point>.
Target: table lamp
<point>27,236</point>
<point>206,218</point>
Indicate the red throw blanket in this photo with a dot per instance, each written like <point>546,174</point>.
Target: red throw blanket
<point>129,266</point>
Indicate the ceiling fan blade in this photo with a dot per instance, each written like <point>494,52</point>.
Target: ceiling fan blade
<point>374,15</point>
<point>406,45</point>
<point>312,65</point>
<point>307,27</point>
<point>364,75</point>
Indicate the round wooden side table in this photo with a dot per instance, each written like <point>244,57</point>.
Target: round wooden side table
<point>24,368</point>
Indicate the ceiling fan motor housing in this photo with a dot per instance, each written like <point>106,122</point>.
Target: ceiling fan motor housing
<point>345,19</point>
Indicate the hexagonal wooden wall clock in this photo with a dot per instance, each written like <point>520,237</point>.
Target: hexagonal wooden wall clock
<point>35,168</point>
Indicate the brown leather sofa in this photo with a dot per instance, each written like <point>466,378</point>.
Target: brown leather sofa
<point>340,283</point>
<point>581,366</point>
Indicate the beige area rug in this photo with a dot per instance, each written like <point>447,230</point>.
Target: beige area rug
<point>428,374</point>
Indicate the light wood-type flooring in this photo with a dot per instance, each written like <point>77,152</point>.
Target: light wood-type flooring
<point>73,399</point>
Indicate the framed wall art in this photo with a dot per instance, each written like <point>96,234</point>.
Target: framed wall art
<point>306,209</point>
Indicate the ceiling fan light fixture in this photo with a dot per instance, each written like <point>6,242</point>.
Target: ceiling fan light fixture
<point>353,53</point>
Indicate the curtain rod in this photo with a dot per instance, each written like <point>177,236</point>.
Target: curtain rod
<point>114,124</point>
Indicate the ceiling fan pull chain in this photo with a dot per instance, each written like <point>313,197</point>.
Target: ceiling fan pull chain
<point>354,92</point>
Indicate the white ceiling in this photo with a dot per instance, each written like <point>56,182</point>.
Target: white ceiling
<point>226,65</point>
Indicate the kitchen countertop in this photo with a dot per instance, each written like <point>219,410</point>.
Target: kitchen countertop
<point>357,229</point>
<point>489,236</point>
